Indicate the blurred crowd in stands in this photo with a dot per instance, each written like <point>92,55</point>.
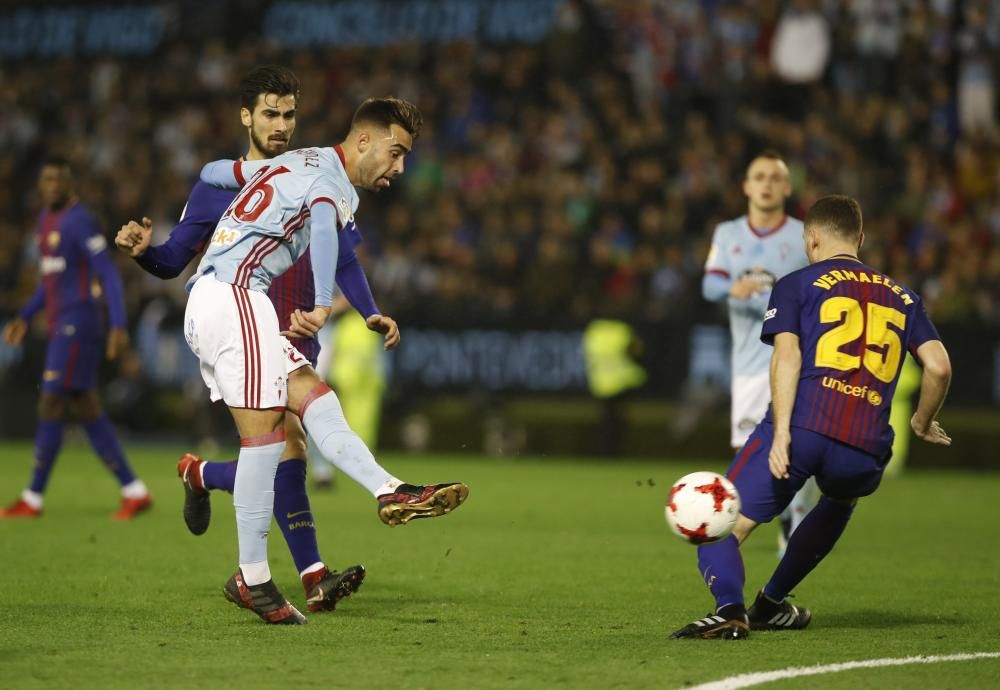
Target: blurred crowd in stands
<point>580,176</point>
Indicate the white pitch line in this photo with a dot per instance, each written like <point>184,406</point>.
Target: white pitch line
<point>747,680</point>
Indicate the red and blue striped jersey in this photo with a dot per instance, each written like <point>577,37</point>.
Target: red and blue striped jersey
<point>854,326</point>
<point>76,268</point>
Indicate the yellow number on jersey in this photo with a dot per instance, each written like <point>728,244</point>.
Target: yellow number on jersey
<point>883,362</point>
<point>883,348</point>
<point>828,352</point>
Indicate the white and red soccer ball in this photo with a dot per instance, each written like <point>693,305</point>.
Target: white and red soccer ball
<point>702,507</point>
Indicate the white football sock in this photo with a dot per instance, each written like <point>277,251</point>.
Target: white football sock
<point>318,565</point>
<point>325,423</point>
<point>32,498</point>
<point>388,487</point>
<point>253,500</point>
<point>135,489</point>
<point>255,573</point>
<point>803,501</point>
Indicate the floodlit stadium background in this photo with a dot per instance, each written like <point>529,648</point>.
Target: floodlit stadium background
<point>576,157</point>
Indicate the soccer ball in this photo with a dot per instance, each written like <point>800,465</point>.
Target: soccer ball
<point>702,507</point>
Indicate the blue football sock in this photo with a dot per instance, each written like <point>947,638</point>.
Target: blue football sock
<point>294,516</point>
<point>48,441</point>
<point>219,475</point>
<point>102,438</point>
<point>721,565</point>
<point>809,544</point>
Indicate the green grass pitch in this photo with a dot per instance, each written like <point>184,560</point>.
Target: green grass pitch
<point>555,574</point>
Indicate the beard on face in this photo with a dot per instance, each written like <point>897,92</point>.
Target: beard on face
<point>271,148</point>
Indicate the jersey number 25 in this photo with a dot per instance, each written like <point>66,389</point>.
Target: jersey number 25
<point>883,348</point>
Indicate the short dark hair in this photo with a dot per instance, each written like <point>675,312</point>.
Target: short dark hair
<point>769,154</point>
<point>837,213</point>
<point>267,79</point>
<point>390,111</point>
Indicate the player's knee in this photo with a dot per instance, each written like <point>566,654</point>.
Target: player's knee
<point>840,502</point>
<point>295,439</point>
<point>86,407</point>
<point>744,526</point>
<point>52,407</point>
<point>301,384</point>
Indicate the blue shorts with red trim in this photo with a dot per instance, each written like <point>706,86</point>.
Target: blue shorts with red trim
<point>71,363</point>
<point>841,471</point>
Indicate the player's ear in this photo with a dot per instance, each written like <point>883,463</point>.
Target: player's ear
<point>861,240</point>
<point>364,141</point>
<point>246,117</point>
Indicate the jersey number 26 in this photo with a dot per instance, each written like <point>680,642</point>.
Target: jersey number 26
<point>256,197</point>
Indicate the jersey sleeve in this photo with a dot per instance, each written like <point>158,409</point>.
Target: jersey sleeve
<point>231,174</point>
<point>95,248</point>
<point>323,251</point>
<point>717,262</point>
<point>782,315</point>
<point>923,330</point>
<point>188,238</point>
<point>716,282</point>
<point>34,304</point>
<point>326,191</point>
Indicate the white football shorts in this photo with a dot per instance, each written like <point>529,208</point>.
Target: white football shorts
<point>751,396</point>
<point>233,331</point>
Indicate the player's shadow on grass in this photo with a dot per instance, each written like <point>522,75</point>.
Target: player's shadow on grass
<point>872,618</point>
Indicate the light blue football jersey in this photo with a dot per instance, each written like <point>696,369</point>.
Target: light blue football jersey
<point>266,228</point>
<point>740,250</point>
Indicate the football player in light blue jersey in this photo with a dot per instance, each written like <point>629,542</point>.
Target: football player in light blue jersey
<point>748,255</point>
<point>296,201</point>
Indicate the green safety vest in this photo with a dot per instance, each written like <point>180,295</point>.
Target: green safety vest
<point>610,370</point>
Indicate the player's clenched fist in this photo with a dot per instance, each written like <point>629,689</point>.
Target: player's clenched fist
<point>385,325</point>
<point>134,239</point>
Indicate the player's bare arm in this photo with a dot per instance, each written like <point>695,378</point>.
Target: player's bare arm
<point>134,239</point>
<point>386,325</point>
<point>933,389</point>
<point>786,364</point>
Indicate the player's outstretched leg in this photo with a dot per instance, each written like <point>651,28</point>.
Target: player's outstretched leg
<point>264,599</point>
<point>197,500</point>
<point>412,501</point>
<point>398,502</point>
<point>721,566</point>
